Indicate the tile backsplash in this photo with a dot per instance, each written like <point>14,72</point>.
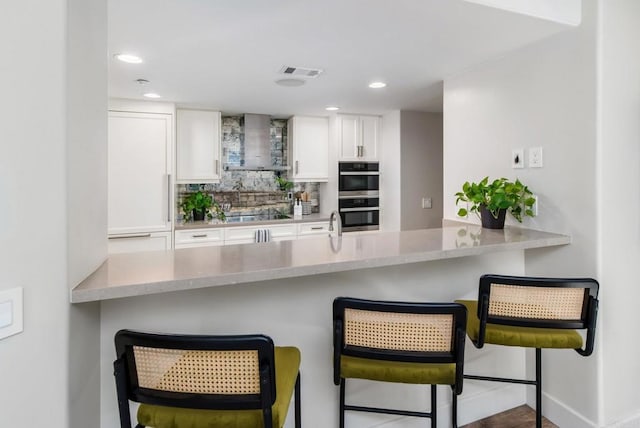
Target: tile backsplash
<point>250,192</point>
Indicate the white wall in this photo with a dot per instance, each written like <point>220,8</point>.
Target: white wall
<point>421,169</point>
<point>33,227</point>
<point>543,95</point>
<point>619,206</point>
<point>36,252</point>
<point>390,170</point>
<point>86,81</point>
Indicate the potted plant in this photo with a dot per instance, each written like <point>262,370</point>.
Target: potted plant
<point>491,201</point>
<point>283,183</point>
<point>198,205</point>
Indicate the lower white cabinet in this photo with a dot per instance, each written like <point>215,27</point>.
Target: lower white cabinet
<point>312,230</point>
<point>247,234</point>
<point>132,243</point>
<point>189,238</point>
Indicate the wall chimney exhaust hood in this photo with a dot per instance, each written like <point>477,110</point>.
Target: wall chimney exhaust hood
<point>257,145</point>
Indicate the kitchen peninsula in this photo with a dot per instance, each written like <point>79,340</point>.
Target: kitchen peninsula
<point>285,290</point>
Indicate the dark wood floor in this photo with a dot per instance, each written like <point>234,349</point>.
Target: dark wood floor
<point>520,417</point>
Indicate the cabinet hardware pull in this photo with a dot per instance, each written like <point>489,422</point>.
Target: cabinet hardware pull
<point>204,235</point>
<point>317,228</point>
<point>138,235</point>
<point>351,210</point>
<point>297,168</point>
<point>168,198</point>
<point>217,167</point>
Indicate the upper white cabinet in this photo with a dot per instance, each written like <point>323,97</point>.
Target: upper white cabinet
<point>198,146</point>
<point>139,172</point>
<point>359,136</point>
<point>309,148</point>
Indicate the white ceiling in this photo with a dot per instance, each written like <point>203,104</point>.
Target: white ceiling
<point>226,54</point>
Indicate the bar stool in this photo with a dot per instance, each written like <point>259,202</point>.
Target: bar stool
<point>417,343</point>
<point>204,381</point>
<point>533,313</point>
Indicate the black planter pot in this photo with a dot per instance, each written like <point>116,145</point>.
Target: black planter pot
<point>198,215</point>
<point>489,221</point>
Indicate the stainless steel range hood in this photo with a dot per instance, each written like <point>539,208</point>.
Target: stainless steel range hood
<point>257,144</point>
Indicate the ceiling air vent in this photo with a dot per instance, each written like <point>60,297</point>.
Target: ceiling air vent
<point>300,71</point>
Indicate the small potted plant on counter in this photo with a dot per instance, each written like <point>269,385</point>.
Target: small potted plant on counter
<point>198,205</point>
<point>491,201</point>
<point>283,183</point>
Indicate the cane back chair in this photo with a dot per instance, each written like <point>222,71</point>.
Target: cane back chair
<point>533,313</point>
<point>200,381</point>
<point>416,343</point>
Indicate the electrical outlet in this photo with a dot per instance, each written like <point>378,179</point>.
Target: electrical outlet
<point>517,158</point>
<point>10,312</point>
<point>535,157</point>
<point>426,203</point>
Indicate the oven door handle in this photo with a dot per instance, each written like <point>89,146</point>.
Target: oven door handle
<point>360,173</point>
<point>350,210</point>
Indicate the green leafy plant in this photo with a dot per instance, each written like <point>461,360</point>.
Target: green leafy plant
<point>201,202</point>
<point>283,183</point>
<point>499,194</point>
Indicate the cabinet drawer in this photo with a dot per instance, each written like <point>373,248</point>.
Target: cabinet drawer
<point>243,235</point>
<point>198,237</point>
<point>312,229</point>
<point>133,243</point>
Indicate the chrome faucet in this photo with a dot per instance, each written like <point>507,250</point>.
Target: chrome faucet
<point>336,216</point>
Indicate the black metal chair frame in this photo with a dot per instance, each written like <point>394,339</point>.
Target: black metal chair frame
<point>456,355</point>
<point>587,321</point>
<point>127,386</point>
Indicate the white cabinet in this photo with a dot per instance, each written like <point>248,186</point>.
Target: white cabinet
<point>359,136</point>
<point>246,234</point>
<point>139,242</point>
<point>309,148</point>
<point>139,172</point>
<point>198,146</point>
<point>188,238</point>
<point>312,230</point>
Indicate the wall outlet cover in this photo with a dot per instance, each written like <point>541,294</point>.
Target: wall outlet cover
<point>535,157</point>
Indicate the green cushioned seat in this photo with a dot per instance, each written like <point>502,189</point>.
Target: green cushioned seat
<point>519,336</point>
<point>287,362</point>
<point>394,371</point>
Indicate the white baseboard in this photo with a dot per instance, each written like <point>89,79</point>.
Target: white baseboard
<point>561,414</point>
<point>630,422</point>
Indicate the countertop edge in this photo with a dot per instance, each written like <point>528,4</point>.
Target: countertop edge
<point>79,295</point>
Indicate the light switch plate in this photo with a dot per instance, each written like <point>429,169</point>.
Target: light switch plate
<point>10,312</point>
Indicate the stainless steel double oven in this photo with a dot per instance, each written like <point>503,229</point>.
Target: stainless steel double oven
<point>359,195</point>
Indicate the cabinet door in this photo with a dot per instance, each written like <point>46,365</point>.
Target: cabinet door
<point>198,146</point>
<point>309,148</point>
<point>370,137</point>
<point>349,135</point>
<point>139,167</point>
<point>139,242</point>
<point>313,230</point>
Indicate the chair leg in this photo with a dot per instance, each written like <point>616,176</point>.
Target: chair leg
<point>454,408</point>
<point>342,387</point>
<point>298,402</point>
<point>434,406</point>
<point>538,388</point>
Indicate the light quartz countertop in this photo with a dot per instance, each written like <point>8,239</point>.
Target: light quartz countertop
<point>310,218</point>
<point>137,274</point>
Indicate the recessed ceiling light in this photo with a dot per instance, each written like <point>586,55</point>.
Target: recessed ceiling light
<point>377,85</point>
<point>290,82</point>
<point>128,58</point>
<point>151,95</point>
<point>332,108</point>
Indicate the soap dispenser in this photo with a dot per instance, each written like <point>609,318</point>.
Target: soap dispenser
<point>297,208</point>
